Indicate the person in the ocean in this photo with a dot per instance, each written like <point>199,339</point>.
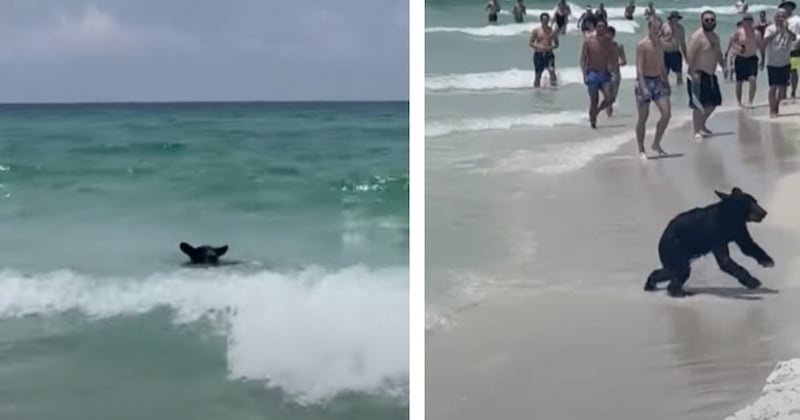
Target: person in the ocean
<point>597,56</point>
<point>616,75</point>
<point>544,40</point>
<point>519,11</point>
<point>649,11</point>
<point>652,85</point>
<point>587,14</point>
<point>741,7</point>
<point>673,35</point>
<point>629,10</point>
<point>561,16</point>
<point>588,26</point>
<point>762,23</point>
<point>492,9</point>
<point>601,13</point>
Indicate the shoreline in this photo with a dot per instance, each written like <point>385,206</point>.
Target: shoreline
<point>709,362</point>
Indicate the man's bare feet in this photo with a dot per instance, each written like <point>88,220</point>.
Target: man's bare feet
<point>659,150</point>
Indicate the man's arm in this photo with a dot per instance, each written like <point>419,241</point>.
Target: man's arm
<point>691,54</point>
<point>624,60</point>
<point>682,40</point>
<point>532,40</point>
<point>720,58</point>
<point>640,67</point>
<point>554,40</point>
<point>584,60</point>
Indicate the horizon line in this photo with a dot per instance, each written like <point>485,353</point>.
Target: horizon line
<point>206,101</point>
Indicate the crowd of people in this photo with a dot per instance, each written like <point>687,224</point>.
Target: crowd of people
<point>771,45</point>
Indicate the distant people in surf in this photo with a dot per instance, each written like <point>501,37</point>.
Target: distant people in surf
<point>544,40</point>
<point>762,23</point>
<point>629,10</point>
<point>600,13</point>
<point>741,7</point>
<point>673,36</point>
<point>492,9</point>
<point>586,17</point>
<point>561,16</point>
<point>649,11</point>
<point>519,11</point>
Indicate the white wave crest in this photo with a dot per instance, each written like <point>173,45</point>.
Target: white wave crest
<point>514,29</point>
<point>509,79</point>
<point>436,129</point>
<point>780,398</point>
<point>313,334</point>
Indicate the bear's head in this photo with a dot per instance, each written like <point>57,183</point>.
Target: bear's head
<point>742,205</point>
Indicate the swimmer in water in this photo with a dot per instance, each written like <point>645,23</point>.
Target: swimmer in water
<point>519,12</point>
<point>762,23</point>
<point>597,59</point>
<point>649,11</point>
<point>492,9</point>
<point>561,16</point>
<point>629,10</point>
<point>544,40</point>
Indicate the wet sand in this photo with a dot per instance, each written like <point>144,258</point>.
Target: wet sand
<point>571,335</point>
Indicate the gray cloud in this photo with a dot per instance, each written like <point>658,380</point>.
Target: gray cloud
<point>139,50</point>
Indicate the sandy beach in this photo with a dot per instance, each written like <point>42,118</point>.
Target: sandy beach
<point>566,331</point>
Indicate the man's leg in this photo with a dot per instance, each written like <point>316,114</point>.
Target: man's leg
<point>643,112</point>
<point>739,91</point>
<point>772,97</point>
<point>752,93</point>
<point>537,79</point>
<point>665,108</point>
<point>707,111</point>
<point>607,96</point>
<point>593,98</point>
<point>780,94</point>
<point>679,78</point>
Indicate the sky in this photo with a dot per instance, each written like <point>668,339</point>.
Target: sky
<point>196,50</point>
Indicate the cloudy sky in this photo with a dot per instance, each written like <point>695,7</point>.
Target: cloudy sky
<point>161,50</point>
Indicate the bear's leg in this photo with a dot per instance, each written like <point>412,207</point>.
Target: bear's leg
<point>675,287</point>
<point>657,276</point>
<point>729,266</point>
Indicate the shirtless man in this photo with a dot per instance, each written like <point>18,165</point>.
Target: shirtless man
<point>674,38</point>
<point>730,55</point>
<point>597,57</point>
<point>778,40</point>
<point>561,16</point>
<point>649,11</point>
<point>519,12</point>
<point>544,40</point>
<point>629,9</point>
<point>492,9</point>
<point>703,54</point>
<point>652,85</point>
<point>616,75</point>
<point>601,13</point>
<point>741,7</point>
<point>746,44</point>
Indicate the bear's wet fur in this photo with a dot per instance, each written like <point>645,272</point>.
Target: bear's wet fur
<point>699,231</point>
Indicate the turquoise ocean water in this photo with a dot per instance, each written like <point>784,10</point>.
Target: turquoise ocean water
<point>99,319</point>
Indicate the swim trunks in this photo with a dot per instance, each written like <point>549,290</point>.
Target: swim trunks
<point>561,20</point>
<point>703,92</point>
<point>543,60</point>
<point>493,17</point>
<point>596,79</point>
<point>778,76</point>
<point>794,62</point>
<point>656,89</point>
<point>745,67</point>
<point>673,61</point>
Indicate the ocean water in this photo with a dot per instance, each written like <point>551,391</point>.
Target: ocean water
<point>99,317</point>
<point>486,125</point>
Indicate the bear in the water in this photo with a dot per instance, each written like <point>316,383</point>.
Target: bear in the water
<point>204,254</point>
<point>699,231</point>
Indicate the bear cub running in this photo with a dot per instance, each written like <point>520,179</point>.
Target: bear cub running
<point>699,231</point>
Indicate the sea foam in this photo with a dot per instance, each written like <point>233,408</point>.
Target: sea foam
<point>442,128</point>
<point>780,397</point>
<point>509,79</point>
<point>314,333</point>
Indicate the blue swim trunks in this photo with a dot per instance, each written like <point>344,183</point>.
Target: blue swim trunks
<point>656,89</point>
<point>596,79</point>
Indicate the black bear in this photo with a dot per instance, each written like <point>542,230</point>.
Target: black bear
<point>699,231</point>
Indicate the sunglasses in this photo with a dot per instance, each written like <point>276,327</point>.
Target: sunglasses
<point>709,20</point>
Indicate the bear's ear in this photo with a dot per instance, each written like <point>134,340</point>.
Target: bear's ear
<point>736,191</point>
<point>721,195</point>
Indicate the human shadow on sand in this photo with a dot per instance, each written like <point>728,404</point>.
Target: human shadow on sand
<point>721,134</point>
<point>667,156</point>
<point>733,292</point>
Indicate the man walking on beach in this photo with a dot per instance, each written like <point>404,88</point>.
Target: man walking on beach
<point>674,38</point>
<point>778,40</point>
<point>793,23</point>
<point>746,43</point>
<point>544,40</point>
<point>702,56</point>
<point>597,55</point>
<point>652,85</point>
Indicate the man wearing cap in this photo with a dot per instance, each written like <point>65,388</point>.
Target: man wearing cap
<point>674,38</point>
<point>703,54</point>
<point>778,41</point>
<point>793,23</point>
<point>746,43</point>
